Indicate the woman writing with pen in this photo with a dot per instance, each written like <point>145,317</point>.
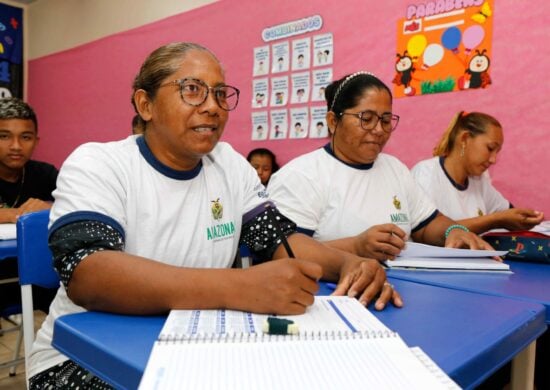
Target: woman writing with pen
<point>352,196</point>
<point>153,222</point>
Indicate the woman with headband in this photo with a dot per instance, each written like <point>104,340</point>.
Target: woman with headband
<point>457,181</point>
<point>352,196</point>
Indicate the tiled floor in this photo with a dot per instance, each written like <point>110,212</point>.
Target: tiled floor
<point>7,345</point>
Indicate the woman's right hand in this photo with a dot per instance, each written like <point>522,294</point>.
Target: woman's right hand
<point>381,242</point>
<point>285,286</point>
<point>519,219</point>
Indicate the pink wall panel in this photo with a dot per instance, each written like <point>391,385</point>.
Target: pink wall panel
<point>83,94</point>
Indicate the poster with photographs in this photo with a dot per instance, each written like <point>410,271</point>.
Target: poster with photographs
<point>321,78</point>
<point>261,61</point>
<point>323,49</point>
<point>301,53</point>
<point>260,125</point>
<point>281,57</point>
<point>291,71</point>
<point>299,122</point>
<point>260,92</point>
<point>318,128</point>
<point>300,87</point>
<point>279,124</point>
<point>279,91</point>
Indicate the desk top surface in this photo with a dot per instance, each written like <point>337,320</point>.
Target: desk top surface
<point>468,335</point>
<point>529,281</point>
<point>8,248</point>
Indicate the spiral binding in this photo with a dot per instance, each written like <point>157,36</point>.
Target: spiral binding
<point>267,338</point>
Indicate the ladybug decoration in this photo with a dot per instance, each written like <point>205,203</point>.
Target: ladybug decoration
<point>476,74</point>
<point>404,66</point>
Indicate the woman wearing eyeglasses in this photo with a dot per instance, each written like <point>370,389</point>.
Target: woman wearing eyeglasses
<point>457,180</point>
<point>352,196</point>
<point>153,222</point>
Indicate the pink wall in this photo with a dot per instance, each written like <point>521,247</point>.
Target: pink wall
<point>83,94</point>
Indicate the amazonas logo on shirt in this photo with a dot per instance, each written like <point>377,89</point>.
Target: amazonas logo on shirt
<point>222,230</point>
<point>398,217</point>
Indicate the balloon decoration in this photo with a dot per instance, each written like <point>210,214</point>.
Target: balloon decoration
<point>432,55</point>
<point>416,45</point>
<point>443,49</point>
<point>450,39</point>
<point>473,36</point>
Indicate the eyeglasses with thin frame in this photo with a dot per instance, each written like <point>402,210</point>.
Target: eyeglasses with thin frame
<point>195,92</point>
<point>369,119</point>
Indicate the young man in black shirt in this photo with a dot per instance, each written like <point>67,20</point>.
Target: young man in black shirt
<point>25,185</point>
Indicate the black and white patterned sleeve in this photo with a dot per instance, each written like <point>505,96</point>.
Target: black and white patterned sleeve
<point>71,243</point>
<point>263,228</point>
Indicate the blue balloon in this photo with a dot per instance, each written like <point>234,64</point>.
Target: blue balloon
<point>451,38</point>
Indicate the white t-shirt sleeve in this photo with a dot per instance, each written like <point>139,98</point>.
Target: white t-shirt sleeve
<point>494,201</point>
<point>243,173</point>
<point>421,205</point>
<point>297,196</point>
<point>423,175</point>
<point>90,181</point>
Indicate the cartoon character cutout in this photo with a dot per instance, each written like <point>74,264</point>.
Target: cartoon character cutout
<point>476,74</point>
<point>404,66</point>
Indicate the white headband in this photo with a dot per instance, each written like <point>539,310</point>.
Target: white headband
<point>346,80</point>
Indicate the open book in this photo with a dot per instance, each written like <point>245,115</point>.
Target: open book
<point>340,344</point>
<point>423,256</point>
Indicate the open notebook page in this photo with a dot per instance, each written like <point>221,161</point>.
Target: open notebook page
<point>328,313</point>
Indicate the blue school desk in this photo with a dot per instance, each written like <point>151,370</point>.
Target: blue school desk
<point>529,282</point>
<point>468,335</point>
<point>8,248</point>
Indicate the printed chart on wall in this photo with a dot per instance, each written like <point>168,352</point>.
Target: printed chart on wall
<point>290,74</point>
<point>443,46</point>
<point>11,51</point>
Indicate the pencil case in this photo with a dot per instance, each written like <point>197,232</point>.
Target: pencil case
<point>521,246</point>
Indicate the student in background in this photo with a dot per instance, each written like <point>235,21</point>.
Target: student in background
<point>264,162</point>
<point>25,186</point>
<point>457,179</point>
<point>153,223</point>
<point>352,196</point>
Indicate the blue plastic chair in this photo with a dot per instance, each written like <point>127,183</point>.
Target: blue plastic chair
<point>35,263</point>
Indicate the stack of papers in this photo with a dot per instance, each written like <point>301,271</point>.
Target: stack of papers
<point>417,255</point>
<point>8,231</point>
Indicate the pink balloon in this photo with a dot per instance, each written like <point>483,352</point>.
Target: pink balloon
<point>472,37</point>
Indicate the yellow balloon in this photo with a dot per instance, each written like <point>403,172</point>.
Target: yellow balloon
<point>1,49</point>
<point>416,45</point>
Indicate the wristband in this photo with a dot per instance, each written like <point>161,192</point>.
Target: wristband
<point>452,227</point>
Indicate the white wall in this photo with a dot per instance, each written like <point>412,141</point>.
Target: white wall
<point>56,25</point>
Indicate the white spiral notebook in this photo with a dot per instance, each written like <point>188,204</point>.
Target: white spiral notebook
<point>340,344</point>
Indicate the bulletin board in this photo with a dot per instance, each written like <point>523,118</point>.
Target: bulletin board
<point>443,47</point>
<point>11,51</point>
<point>290,74</point>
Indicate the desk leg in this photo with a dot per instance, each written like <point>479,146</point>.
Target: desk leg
<point>523,368</point>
